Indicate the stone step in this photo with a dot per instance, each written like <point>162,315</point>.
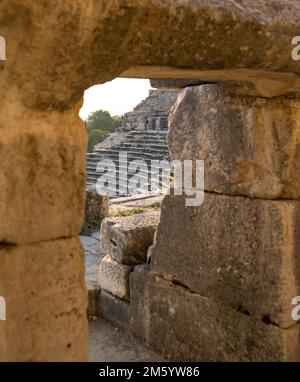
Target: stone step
<point>91,168</point>
<point>142,147</point>
<point>96,176</point>
<point>130,153</point>
<point>143,176</point>
<point>143,143</point>
<point>115,157</point>
<point>147,141</point>
<point>116,193</point>
<point>152,133</point>
<point>139,145</point>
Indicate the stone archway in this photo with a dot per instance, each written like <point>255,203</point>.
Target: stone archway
<point>54,52</point>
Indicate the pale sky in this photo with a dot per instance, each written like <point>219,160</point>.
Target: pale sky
<point>117,96</point>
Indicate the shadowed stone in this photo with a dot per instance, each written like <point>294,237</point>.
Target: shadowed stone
<point>174,84</point>
<point>114,310</point>
<point>238,251</point>
<point>96,209</point>
<point>185,326</point>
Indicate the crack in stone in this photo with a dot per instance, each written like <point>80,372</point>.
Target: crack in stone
<point>241,309</point>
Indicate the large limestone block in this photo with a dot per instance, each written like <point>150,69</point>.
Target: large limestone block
<point>237,42</point>
<point>114,277</point>
<point>46,302</point>
<point>42,176</point>
<point>238,251</point>
<point>128,238</point>
<point>185,326</point>
<point>250,146</point>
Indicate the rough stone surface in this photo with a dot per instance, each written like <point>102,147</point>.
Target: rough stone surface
<point>128,238</point>
<point>250,146</point>
<point>46,301</point>
<point>96,209</point>
<point>236,42</point>
<point>114,310</point>
<point>42,176</point>
<point>114,277</point>
<point>185,326</point>
<point>42,141</point>
<point>238,251</point>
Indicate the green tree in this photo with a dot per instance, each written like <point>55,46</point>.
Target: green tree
<point>117,121</point>
<point>95,136</point>
<point>99,125</point>
<point>102,120</point>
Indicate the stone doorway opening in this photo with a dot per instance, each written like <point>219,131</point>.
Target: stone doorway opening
<point>120,225</point>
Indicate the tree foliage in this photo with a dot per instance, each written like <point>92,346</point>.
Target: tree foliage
<point>99,125</point>
<point>95,136</point>
<point>102,120</point>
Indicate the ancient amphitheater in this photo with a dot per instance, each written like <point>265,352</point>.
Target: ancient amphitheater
<point>143,136</point>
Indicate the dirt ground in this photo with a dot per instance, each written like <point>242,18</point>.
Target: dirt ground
<point>108,344</point>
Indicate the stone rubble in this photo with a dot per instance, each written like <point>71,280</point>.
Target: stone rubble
<point>125,240</point>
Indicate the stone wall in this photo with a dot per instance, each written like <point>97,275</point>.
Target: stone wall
<point>42,209</point>
<point>56,50</point>
<point>223,274</point>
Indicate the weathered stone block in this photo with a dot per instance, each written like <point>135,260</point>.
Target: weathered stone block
<point>96,209</point>
<point>248,42</point>
<point>46,301</point>
<point>250,146</point>
<point>42,177</point>
<point>185,326</point>
<point>114,277</point>
<point>115,310</point>
<point>128,238</point>
<point>238,251</point>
